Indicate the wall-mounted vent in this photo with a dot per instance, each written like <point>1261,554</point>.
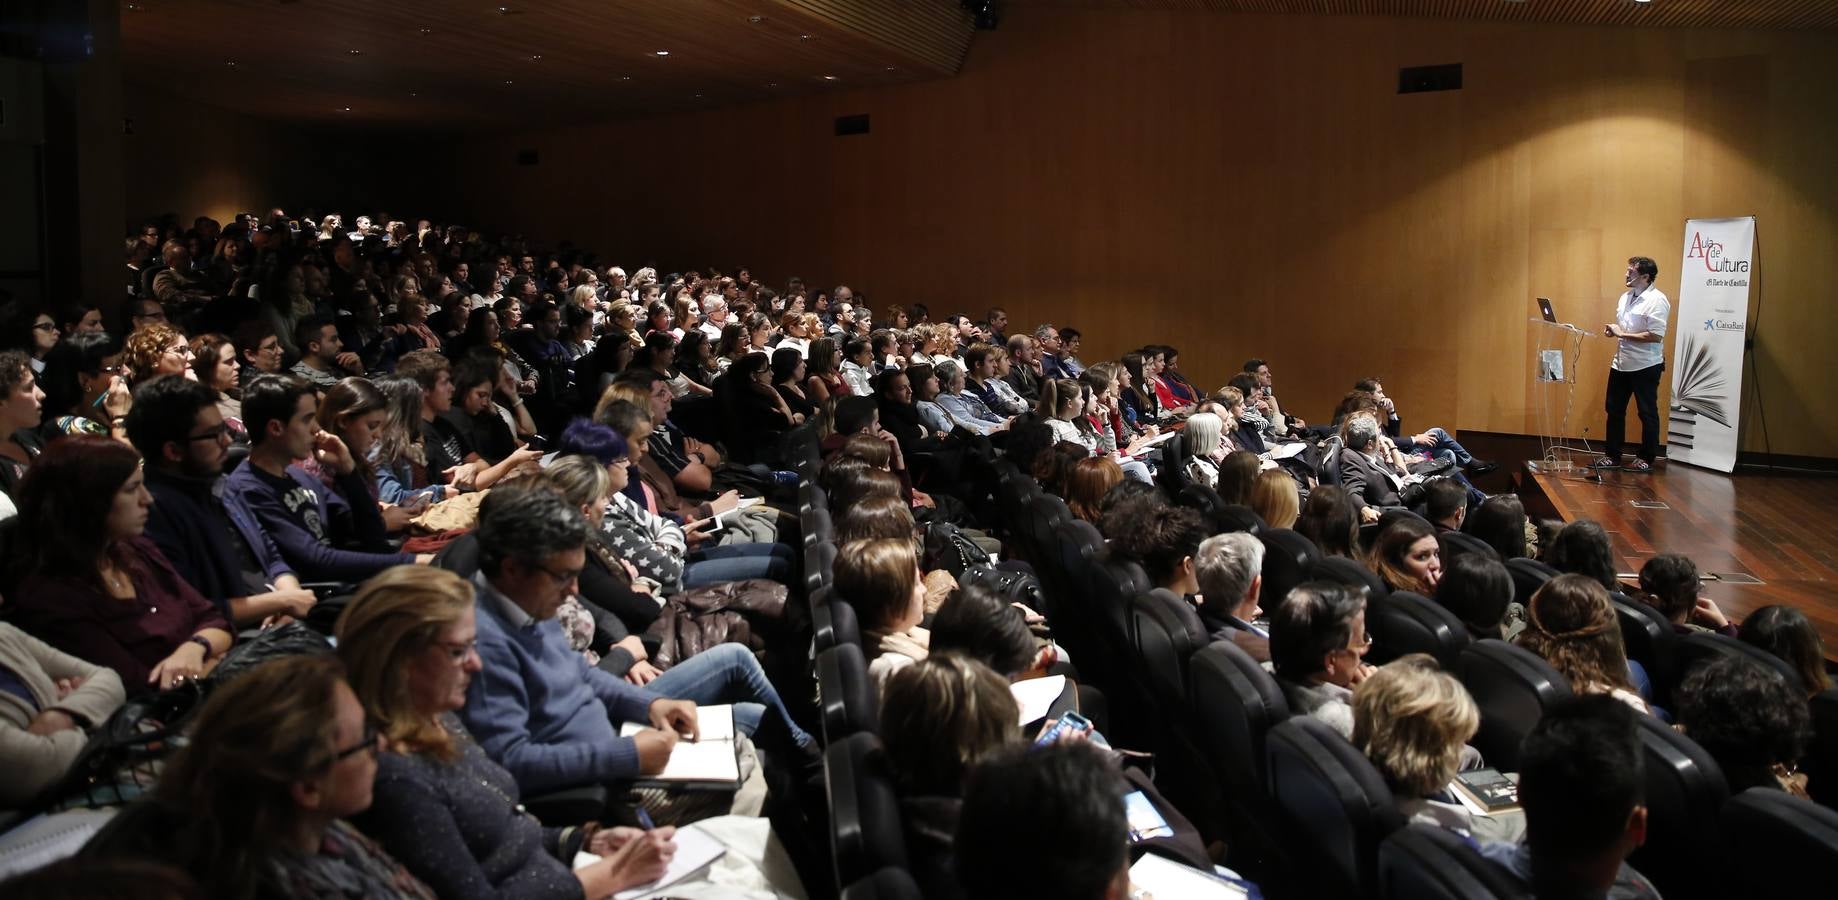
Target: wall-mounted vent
<point>1422,79</point>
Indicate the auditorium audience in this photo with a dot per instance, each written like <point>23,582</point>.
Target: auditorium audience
<point>507,671</point>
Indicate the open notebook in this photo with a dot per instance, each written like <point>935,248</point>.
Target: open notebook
<point>695,851</point>
<point>708,763</point>
<point>1158,878</point>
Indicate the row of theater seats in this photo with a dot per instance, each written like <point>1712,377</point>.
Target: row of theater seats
<point>867,843</point>
<point>1302,811</point>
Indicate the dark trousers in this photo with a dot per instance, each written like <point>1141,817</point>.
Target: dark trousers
<point>1643,386</point>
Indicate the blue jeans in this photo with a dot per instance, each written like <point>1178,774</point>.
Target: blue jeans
<point>1443,446</point>
<point>728,673</point>
<point>736,562</point>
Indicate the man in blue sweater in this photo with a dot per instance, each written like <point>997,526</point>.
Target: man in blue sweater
<point>309,522</point>
<point>537,707</point>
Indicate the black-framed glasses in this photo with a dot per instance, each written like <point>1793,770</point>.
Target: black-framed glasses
<point>560,577</point>
<point>44,326</point>
<point>368,742</point>
<point>214,433</point>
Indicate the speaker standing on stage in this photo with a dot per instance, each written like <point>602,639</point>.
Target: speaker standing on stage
<point>1640,357</point>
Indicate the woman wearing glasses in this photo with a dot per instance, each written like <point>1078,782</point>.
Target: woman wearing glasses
<point>1318,644</point>
<point>442,805</point>
<point>253,806</point>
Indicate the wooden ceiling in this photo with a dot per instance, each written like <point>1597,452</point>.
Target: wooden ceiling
<point>477,64</point>
<point>1766,14</point>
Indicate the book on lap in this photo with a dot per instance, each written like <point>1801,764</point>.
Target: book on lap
<point>711,762</point>
<point>1486,792</point>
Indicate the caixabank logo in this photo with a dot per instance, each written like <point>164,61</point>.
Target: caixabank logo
<point>1724,325</point>
<point>1711,252</point>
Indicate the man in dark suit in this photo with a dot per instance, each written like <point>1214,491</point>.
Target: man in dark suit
<point>1365,478</point>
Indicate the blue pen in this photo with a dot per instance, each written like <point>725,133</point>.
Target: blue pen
<point>644,820</point>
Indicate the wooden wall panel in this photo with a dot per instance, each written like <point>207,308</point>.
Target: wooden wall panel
<point>1252,185</point>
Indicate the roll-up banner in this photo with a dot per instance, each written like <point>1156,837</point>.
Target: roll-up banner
<point>1712,326</point>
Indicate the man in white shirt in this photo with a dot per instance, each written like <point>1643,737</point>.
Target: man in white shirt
<point>1640,357</point>
<point>714,317</point>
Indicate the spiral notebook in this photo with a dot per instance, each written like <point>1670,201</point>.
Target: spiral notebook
<point>709,762</point>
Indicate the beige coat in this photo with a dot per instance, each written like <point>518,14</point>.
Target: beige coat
<point>35,762</point>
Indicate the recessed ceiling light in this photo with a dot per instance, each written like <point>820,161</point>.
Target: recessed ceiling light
<point>135,7</point>
<point>347,109</point>
<point>663,53</point>
<point>536,57</point>
<point>231,64</point>
<point>756,19</point>
<point>426,30</point>
<point>625,78</point>
<point>829,78</point>
<point>890,68</point>
<point>355,52</point>
<point>804,37</point>
<point>772,84</point>
<point>509,81</point>
<point>414,94</point>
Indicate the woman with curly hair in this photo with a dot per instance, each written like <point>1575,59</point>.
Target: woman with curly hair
<point>1573,626</point>
<point>156,349</point>
<point>1751,721</point>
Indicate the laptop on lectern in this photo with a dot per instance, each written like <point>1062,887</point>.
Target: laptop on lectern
<point>1544,306</point>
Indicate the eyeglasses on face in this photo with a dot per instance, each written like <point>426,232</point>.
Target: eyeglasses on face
<point>367,742</point>
<point>215,433</point>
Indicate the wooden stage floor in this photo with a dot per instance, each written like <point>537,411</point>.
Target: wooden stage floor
<point>1781,530</point>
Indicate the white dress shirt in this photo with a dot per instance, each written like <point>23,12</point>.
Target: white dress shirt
<point>1633,314</point>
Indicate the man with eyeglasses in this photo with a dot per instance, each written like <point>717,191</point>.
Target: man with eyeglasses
<point>218,548</point>
<point>321,535</point>
<point>1318,644</point>
<point>539,710</point>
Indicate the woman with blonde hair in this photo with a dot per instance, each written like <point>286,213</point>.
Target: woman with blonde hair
<point>1275,499</point>
<point>440,804</point>
<point>1413,721</point>
<point>1572,625</point>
